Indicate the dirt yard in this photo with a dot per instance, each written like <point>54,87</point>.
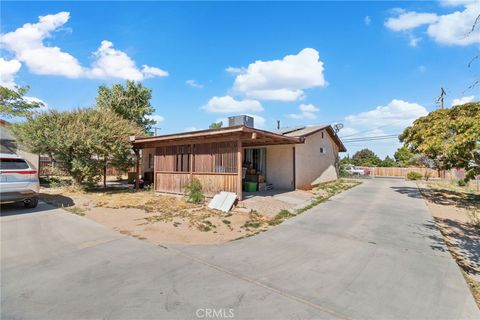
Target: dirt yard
<point>456,211</point>
<point>170,219</point>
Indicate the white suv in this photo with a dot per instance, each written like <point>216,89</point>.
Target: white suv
<point>18,181</point>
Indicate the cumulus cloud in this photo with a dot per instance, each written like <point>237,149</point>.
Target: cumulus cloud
<point>367,20</point>
<point>462,100</point>
<point>397,113</point>
<point>450,29</point>
<point>155,117</point>
<point>194,84</point>
<point>27,45</point>
<point>191,129</point>
<point>258,121</point>
<point>8,70</point>
<point>307,111</point>
<point>282,80</point>
<point>227,104</point>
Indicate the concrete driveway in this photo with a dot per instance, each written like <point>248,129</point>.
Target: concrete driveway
<point>372,252</point>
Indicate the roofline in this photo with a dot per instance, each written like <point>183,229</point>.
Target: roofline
<point>329,128</point>
<point>213,133</point>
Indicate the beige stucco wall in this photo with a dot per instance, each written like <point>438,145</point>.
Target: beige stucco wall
<point>313,167</point>
<point>280,166</point>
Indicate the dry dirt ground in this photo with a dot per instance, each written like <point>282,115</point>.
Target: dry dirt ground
<point>170,219</point>
<point>456,211</point>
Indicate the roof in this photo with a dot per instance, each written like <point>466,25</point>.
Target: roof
<point>248,136</point>
<point>305,131</point>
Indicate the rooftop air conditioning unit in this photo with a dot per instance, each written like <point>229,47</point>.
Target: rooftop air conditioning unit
<point>242,120</point>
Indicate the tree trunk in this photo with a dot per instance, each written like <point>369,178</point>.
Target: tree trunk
<point>105,174</point>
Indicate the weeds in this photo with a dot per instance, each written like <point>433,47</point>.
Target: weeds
<point>194,192</point>
<point>76,210</point>
<point>280,217</point>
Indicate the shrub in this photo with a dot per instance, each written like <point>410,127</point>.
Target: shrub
<point>194,192</point>
<point>412,175</point>
<point>461,183</point>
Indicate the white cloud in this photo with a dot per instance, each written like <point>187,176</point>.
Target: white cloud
<point>454,3</point>
<point>194,84</point>
<point>44,106</point>
<point>450,29</point>
<point>191,129</point>
<point>27,44</point>
<point>307,111</point>
<point>258,121</point>
<point>8,70</point>
<point>462,100</point>
<point>150,72</point>
<point>227,104</point>
<point>234,70</point>
<point>410,20</point>
<point>413,42</point>
<point>367,20</point>
<point>397,113</point>
<point>157,118</point>
<point>283,79</point>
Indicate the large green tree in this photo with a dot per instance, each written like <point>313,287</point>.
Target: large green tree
<point>80,141</point>
<point>14,104</point>
<point>449,137</point>
<point>216,125</point>
<point>403,156</point>
<point>131,101</point>
<point>366,157</point>
<point>388,162</point>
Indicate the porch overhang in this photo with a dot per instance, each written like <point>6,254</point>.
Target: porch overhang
<point>250,137</point>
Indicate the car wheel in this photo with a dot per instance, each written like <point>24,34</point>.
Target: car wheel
<point>32,203</point>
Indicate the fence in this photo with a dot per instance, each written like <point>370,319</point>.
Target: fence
<point>402,172</point>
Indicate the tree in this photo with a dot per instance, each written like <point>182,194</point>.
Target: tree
<point>403,156</point>
<point>449,137</point>
<point>14,104</point>
<point>365,157</point>
<point>80,141</point>
<point>131,102</point>
<point>388,162</point>
<point>216,125</point>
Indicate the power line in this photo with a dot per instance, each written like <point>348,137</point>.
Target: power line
<point>370,138</point>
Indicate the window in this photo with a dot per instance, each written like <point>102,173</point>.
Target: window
<point>323,150</point>
<point>13,164</point>
<point>182,162</point>
<point>150,160</point>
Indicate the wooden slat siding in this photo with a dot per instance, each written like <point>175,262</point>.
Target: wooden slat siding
<point>171,182</point>
<point>214,183</point>
<point>205,159</point>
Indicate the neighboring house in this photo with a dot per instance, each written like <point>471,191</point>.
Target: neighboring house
<point>223,159</point>
<point>9,145</point>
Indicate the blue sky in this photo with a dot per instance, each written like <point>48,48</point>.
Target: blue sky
<point>373,66</point>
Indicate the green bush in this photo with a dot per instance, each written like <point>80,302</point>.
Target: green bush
<point>194,192</point>
<point>461,183</point>
<point>412,175</point>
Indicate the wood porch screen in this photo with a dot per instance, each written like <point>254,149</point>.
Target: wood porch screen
<point>216,157</point>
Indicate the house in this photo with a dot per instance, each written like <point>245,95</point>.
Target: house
<point>240,156</point>
<point>8,145</point>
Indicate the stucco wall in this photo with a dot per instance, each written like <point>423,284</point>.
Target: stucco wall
<point>280,166</point>
<point>313,167</point>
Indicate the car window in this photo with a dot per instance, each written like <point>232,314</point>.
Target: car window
<point>13,164</point>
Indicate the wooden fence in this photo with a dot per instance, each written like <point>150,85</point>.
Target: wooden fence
<point>402,172</point>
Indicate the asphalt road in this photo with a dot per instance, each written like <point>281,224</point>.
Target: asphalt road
<point>372,252</point>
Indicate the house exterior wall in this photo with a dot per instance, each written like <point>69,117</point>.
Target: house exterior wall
<point>145,155</point>
<point>313,167</point>
<point>280,166</point>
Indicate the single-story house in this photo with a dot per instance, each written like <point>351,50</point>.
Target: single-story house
<point>8,145</point>
<point>225,159</point>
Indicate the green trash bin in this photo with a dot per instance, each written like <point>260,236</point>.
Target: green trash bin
<point>250,186</point>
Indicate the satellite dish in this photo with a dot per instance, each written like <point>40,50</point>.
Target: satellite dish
<point>337,127</point>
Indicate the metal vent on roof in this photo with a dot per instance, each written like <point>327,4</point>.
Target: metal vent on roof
<point>242,120</point>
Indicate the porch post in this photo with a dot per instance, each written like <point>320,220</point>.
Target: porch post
<point>239,169</point>
<point>192,159</point>
<point>137,167</point>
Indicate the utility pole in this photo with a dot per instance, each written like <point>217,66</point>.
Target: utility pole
<point>440,99</point>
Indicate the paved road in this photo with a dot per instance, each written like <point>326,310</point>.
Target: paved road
<point>372,252</point>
